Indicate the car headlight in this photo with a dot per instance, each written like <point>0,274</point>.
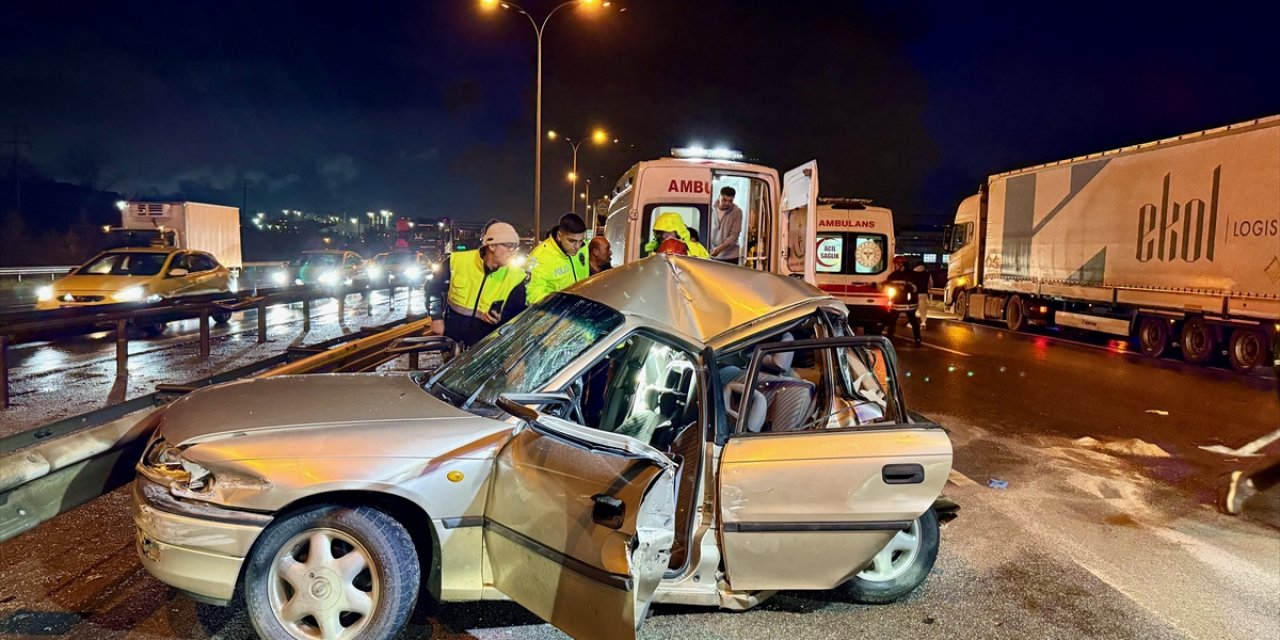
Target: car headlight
<point>298,282</point>
<point>166,460</point>
<point>153,298</point>
<point>375,272</point>
<point>131,294</point>
<point>44,294</point>
<point>413,273</point>
<point>329,277</point>
<point>280,278</point>
<point>435,266</point>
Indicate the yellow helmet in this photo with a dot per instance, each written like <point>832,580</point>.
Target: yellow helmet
<point>669,221</point>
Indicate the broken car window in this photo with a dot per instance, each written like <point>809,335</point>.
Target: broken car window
<point>523,355</point>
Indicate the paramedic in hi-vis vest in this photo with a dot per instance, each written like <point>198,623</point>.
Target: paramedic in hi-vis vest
<point>480,289</point>
<point>560,260</point>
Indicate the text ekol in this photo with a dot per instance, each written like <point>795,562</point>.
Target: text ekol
<point>1179,230</point>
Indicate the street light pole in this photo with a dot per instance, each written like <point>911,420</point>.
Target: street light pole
<point>538,30</point>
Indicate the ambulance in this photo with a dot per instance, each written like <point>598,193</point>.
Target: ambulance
<point>779,223</point>
<point>854,257</point>
<point>782,220</point>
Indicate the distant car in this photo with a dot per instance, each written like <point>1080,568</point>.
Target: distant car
<point>324,267</point>
<point>138,274</point>
<point>400,268</point>
<point>650,434</point>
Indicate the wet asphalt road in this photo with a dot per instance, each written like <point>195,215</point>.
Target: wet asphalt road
<point>1089,540</point>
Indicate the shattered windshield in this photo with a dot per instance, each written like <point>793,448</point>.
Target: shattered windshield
<point>523,355</point>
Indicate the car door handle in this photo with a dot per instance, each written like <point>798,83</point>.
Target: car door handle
<point>902,474</point>
<point>608,511</point>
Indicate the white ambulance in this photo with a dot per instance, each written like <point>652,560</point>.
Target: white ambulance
<point>779,221</point>
<point>854,258</point>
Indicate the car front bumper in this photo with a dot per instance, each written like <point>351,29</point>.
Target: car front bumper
<point>200,551</point>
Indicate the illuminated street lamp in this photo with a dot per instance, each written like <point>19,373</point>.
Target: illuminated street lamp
<point>538,30</point>
<point>598,137</point>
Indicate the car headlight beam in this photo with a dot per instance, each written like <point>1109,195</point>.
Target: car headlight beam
<point>131,294</point>
<point>44,294</point>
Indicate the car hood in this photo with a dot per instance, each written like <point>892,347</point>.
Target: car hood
<point>299,407</point>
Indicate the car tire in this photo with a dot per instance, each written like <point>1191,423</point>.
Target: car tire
<point>153,330</point>
<point>1198,342</point>
<point>1246,350</point>
<point>221,318</point>
<point>1153,335</point>
<point>390,579</point>
<point>901,567</point>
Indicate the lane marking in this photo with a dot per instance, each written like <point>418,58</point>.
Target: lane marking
<point>933,346</point>
<point>1249,450</point>
<point>940,348</point>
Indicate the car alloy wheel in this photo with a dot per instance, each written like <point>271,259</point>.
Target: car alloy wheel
<point>901,566</point>
<point>315,594</point>
<point>896,557</point>
<point>332,573</point>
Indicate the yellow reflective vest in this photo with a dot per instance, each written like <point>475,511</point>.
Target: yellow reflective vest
<point>471,292</point>
<point>550,270</point>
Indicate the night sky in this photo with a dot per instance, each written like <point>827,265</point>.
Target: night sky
<point>426,107</point>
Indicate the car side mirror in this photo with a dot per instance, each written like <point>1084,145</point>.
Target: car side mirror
<point>421,344</point>
<point>178,273</point>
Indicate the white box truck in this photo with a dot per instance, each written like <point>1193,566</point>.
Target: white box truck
<point>210,228</point>
<point>1174,243</point>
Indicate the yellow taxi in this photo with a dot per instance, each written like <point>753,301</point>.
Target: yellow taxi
<point>136,274</point>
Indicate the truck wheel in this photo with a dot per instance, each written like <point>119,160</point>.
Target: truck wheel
<point>1153,336</point>
<point>1246,350</point>
<point>901,566</point>
<point>961,304</point>
<point>332,571</point>
<point>1197,341</point>
<point>1015,316</point>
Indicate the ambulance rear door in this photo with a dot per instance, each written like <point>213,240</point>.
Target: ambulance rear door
<point>797,223</point>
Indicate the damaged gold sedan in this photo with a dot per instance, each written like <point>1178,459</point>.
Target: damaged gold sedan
<point>675,430</point>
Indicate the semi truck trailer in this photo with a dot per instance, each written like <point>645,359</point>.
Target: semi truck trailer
<point>1173,244</point>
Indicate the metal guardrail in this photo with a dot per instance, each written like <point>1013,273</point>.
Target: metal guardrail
<point>19,272</point>
<point>56,467</point>
<point>27,326</point>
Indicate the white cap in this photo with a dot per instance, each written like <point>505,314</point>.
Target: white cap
<point>500,233</point>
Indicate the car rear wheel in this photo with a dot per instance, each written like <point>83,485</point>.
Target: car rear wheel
<point>222,317</point>
<point>901,566</point>
<point>332,572</point>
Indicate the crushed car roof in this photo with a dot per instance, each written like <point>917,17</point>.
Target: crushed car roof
<point>698,297</point>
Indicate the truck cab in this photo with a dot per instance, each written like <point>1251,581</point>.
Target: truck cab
<point>779,215</point>
<point>852,263</point>
<point>961,241</point>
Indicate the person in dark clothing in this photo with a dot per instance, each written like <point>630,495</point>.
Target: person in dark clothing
<point>910,284</point>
